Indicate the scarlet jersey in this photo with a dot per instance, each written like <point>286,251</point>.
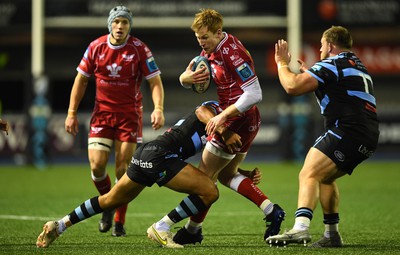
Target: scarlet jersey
<point>119,71</point>
<point>232,69</point>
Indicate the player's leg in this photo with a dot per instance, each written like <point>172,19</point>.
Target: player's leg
<point>317,167</point>
<point>98,152</point>
<point>123,155</point>
<point>202,192</point>
<point>123,192</point>
<point>329,200</point>
<point>212,161</point>
<point>233,179</point>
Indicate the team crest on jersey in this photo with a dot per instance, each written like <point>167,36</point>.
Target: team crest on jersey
<point>114,69</point>
<point>151,64</point>
<point>225,50</point>
<point>128,57</point>
<point>244,71</point>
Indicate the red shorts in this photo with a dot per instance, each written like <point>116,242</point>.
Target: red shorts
<point>122,126</point>
<point>246,125</point>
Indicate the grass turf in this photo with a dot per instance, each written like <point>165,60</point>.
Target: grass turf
<point>29,198</point>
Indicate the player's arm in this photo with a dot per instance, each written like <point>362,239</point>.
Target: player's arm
<point>231,139</point>
<point>255,175</point>
<point>77,93</point>
<point>251,96</point>
<point>189,77</point>
<point>294,84</point>
<point>157,94</point>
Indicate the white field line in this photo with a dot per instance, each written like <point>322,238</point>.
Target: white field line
<point>133,215</point>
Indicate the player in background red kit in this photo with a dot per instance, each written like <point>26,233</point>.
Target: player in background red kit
<point>119,62</point>
<point>238,92</point>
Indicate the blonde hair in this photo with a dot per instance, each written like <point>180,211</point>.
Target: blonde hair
<point>209,18</point>
<point>339,36</point>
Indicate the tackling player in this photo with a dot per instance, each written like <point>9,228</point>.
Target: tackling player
<point>160,161</point>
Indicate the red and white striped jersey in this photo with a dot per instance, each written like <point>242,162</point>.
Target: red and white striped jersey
<point>119,71</point>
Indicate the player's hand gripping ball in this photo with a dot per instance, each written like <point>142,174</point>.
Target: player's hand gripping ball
<point>199,63</point>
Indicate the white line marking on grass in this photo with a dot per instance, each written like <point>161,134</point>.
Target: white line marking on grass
<point>137,215</point>
<point>23,217</point>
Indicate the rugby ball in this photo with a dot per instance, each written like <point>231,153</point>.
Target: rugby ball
<point>199,63</point>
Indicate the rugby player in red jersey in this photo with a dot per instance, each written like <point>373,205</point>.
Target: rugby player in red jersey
<point>239,92</point>
<point>119,62</point>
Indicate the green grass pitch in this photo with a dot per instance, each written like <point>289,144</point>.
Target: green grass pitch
<point>369,213</point>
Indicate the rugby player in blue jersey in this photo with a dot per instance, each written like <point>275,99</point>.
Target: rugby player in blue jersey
<point>344,91</point>
<point>160,161</point>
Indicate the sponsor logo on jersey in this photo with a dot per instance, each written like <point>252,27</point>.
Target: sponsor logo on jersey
<point>137,43</point>
<point>225,50</point>
<point>316,68</point>
<point>128,57</point>
<point>114,69</point>
<point>233,46</point>
<point>236,59</point>
<point>244,71</point>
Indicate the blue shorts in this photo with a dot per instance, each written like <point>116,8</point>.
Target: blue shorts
<point>152,163</point>
<point>344,150</point>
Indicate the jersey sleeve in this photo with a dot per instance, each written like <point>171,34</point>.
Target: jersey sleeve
<point>148,66</point>
<point>85,67</point>
<point>324,71</point>
<point>242,66</point>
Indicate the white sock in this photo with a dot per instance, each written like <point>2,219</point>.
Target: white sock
<point>331,228</point>
<point>99,179</point>
<point>302,223</point>
<point>62,225</point>
<point>193,227</point>
<point>164,224</point>
<point>267,206</point>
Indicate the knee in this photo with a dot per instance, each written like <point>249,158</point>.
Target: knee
<point>98,168</point>
<point>214,195</point>
<point>225,179</point>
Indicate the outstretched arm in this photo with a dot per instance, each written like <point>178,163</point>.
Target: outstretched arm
<point>294,84</point>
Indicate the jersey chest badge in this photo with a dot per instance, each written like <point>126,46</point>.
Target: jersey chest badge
<point>114,69</point>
